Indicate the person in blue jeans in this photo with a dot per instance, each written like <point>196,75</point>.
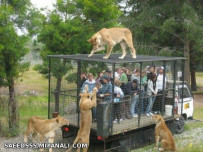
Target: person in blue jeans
<point>118,95</point>
<point>132,89</point>
<point>151,92</point>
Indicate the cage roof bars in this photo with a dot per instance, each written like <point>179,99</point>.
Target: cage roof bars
<point>114,58</point>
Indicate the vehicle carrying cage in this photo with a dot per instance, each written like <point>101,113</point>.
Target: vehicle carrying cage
<point>67,75</point>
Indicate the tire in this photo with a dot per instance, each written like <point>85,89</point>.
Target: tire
<point>179,125</point>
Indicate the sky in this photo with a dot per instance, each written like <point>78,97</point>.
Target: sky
<point>39,4</point>
<point>43,3</point>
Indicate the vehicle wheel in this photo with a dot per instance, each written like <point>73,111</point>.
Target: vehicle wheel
<point>179,125</point>
<point>190,118</point>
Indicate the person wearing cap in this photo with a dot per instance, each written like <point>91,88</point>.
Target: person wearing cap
<point>151,92</point>
<point>106,90</point>
<point>132,89</point>
<point>109,74</point>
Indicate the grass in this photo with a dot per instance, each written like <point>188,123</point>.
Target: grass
<point>29,105</point>
<point>32,80</point>
<point>32,105</point>
<point>199,81</point>
<point>198,112</point>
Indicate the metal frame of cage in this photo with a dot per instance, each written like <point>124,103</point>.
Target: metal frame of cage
<point>114,61</point>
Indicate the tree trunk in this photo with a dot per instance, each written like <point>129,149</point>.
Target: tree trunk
<point>12,106</point>
<point>193,65</point>
<point>187,61</point>
<point>57,94</point>
<point>193,80</point>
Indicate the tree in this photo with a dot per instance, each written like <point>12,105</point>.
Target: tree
<point>57,35</point>
<point>67,29</point>
<point>100,13</point>
<point>174,24</point>
<point>12,17</point>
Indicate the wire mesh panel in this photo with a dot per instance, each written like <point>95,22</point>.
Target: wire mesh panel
<point>129,92</point>
<point>63,88</point>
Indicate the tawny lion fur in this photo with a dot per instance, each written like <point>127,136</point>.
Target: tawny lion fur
<point>87,101</point>
<point>163,134</point>
<point>111,37</point>
<point>44,127</point>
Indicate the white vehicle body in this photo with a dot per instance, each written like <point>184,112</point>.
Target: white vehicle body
<point>183,94</point>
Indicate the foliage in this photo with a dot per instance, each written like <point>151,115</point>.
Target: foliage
<point>13,18</point>
<point>163,23</point>
<point>100,13</point>
<point>11,53</point>
<point>175,26</point>
<point>69,25</point>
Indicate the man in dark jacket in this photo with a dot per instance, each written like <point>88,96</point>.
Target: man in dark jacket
<point>132,89</point>
<point>106,90</point>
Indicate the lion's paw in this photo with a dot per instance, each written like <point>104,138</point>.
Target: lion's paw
<point>121,57</point>
<point>105,57</point>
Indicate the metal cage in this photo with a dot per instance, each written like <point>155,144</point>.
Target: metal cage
<point>65,86</point>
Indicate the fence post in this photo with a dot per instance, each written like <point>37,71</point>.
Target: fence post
<point>49,88</point>
<point>174,86</point>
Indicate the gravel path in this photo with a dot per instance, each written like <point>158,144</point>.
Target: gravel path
<point>187,138</point>
<point>58,139</point>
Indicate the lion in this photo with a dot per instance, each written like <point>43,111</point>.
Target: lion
<point>87,101</point>
<point>163,134</point>
<point>44,127</point>
<point>111,37</point>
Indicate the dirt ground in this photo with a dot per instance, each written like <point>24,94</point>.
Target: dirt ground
<point>198,101</point>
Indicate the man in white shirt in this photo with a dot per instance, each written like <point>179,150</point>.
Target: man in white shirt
<point>160,79</point>
<point>157,108</point>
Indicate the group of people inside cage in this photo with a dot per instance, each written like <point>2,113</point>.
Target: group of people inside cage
<point>137,87</point>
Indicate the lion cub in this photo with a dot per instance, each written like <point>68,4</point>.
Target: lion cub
<point>45,128</point>
<point>163,134</point>
<point>111,37</point>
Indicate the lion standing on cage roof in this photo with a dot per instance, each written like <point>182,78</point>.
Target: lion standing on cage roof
<point>111,37</point>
